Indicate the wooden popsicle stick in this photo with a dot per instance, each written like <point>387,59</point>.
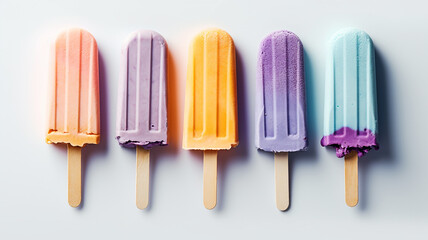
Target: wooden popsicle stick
<point>351,179</point>
<point>74,155</point>
<point>210,179</point>
<point>142,177</point>
<point>281,181</point>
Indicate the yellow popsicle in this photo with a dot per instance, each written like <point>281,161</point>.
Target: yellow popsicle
<point>210,114</point>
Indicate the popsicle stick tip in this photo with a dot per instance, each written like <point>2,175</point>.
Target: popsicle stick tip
<point>142,205</point>
<point>352,202</point>
<point>282,206</point>
<point>74,202</point>
<point>210,205</point>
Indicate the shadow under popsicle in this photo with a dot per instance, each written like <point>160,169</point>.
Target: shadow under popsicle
<point>174,137</point>
<point>295,158</point>
<point>386,152</point>
<point>240,153</point>
<point>91,150</point>
<point>312,120</point>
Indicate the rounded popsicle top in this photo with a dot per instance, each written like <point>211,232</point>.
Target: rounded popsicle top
<point>350,33</point>
<point>148,34</point>
<point>85,35</point>
<point>213,32</point>
<point>282,33</point>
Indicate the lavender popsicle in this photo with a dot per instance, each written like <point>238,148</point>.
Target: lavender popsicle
<point>142,114</point>
<point>281,104</point>
<point>142,118</point>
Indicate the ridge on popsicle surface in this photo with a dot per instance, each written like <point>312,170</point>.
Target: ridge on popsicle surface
<point>142,107</point>
<point>350,114</point>
<point>210,114</point>
<point>280,95</point>
<point>74,78</point>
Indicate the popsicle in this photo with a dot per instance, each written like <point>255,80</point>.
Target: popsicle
<point>350,109</point>
<point>210,114</point>
<point>281,104</point>
<point>142,113</point>
<point>74,105</point>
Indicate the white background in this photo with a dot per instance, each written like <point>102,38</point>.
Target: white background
<point>33,174</point>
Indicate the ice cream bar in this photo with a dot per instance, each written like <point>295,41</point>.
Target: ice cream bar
<point>280,94</point>
<point>210,114</point>
<point>281,104</point>
<point>142,114</point>
<point>350,109</point>
<point>74,91</point>
<point>74,105</point>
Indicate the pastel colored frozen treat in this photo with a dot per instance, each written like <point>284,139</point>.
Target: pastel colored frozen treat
<point>280,94</point>
<point>281,105</point>
<point>142,113</point>
<point>210,111</point>
<point>210,114</point>
<point>142,106</point>
<point>350,109</point>
<point>74,107</point>
<point>74,104</point>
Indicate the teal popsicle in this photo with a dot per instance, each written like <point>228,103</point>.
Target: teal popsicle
<point>350,110</point>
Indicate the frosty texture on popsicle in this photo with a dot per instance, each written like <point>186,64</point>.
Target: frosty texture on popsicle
<point>280,94</point>
<point>350,110</point>
<point>142,113</point>
<point>74,106</point>
<point>210,115</point>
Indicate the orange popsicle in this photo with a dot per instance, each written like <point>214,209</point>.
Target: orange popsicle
<point>74,100</point>
<point>210,115</point>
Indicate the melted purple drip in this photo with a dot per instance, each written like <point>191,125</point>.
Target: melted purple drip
<point>145,145</point>
<point>347,139</point>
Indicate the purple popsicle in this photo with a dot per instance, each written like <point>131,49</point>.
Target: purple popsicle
<point>280,101</point>
<point>281,104</point>
<point>142,115</point>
